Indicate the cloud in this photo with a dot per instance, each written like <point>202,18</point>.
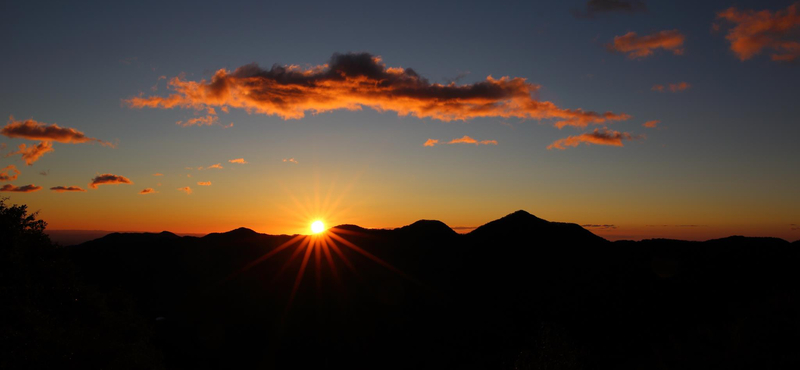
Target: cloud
<point>7,175</point>
<point>31,154</point>
<point>238,160</point>
<point>22,189</point>
<point>651,124</point>
<point>186,190</point>
<point>44,173</point>
<point>595,7</point>
<point>754,31</point>
<point>290,160</point>
<point>61,189</point>
<point>354,81</point>
<point>605,227</point>
<point>640,47</point>
<point>158,174</point>
<point>209,120</point>
<point>33,130</point>
<point>468,140</point>
<point>108,179</point>
<point>148,191</point>
<point>462,140</point>
<point>217,166</point>
<point>604,137</point>
<point>674,87</point>
<point>204,183</point>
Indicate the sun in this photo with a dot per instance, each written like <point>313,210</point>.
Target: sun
<point>317,227</point>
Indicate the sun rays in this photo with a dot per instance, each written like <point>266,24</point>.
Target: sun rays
<point>326,250</point>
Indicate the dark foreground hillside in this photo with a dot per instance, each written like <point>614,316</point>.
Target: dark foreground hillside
<point>517,293</point>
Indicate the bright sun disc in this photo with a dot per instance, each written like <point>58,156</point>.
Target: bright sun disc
<point>317,227</point>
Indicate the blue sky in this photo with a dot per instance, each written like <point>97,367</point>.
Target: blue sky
<point>724,155</point>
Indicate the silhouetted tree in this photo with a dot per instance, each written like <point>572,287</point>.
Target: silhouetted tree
<point>49,317</point>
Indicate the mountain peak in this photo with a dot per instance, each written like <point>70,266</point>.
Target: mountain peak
<point>428,227</point>
<point>241,232</point>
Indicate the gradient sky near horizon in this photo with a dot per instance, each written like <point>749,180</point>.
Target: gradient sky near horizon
<point>722,158</point>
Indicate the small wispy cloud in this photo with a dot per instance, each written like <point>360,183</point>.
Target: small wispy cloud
<point>637,47</point>
<point>186,190</point>
<point>204,183</point>
<point>9,173</point>
<point>217,166</point>
<point>597,137</point>
<point>63,189</point>
<point>148,191</point>
<point>462,140</point>
<point>651,124</point>
<point>22,189</point>
<point>290,160</point>
<point>31,154</point>
<point>238,161</point>
<point>673,87</point>
<point>108,179</point>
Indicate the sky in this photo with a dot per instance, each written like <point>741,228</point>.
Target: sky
<point>637,119</point>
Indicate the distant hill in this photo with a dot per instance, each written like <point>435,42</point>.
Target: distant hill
<point>517,293</point>
<point>73,237</point>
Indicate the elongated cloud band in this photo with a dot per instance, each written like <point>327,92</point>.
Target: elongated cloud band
<point>7,175</point>
<point>108,179</point>
<point>238,160</point>
<point>755,31</point>
<point>33,130</point>
<point>462,140</point>
<point>642,46</point>
<point>598,137</point>
<point>22,189</point>
<point>353,81</point>
<point>62,189</point>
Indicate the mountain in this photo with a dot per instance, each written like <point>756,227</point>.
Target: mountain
<point>517,293</point>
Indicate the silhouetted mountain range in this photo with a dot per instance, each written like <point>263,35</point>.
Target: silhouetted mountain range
<point>517,293</point>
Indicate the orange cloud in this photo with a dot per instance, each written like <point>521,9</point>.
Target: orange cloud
<point>158,174</point>
<point>148,191</point>
<point>755,31</point>
<point>204,183</point>
<point>22,189</point>
<point>290,160</point>
<point>463,140</point>
<point>238,160</point>
<point>674,87</point>
<point>604,137</point>
<point>353,81</point>
<point>468,140</point>
<point>61,189</point>
<point>640,47</point>
<point>186,190</point>
<point>651,124</point>
<point>108,179</point>
<point>31,154</point>
<point>217,166</point>
<point>33,130</point>
<point>5,173</point>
